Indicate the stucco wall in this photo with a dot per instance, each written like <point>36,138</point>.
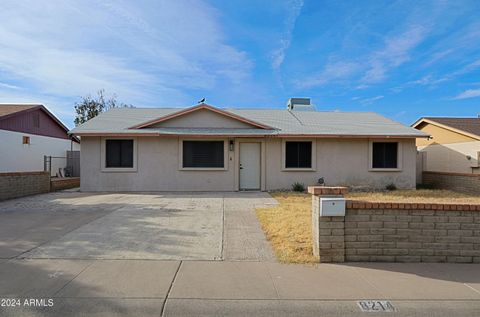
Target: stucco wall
<point>158,170</point>
<point>451,157</point>
<point>340,162</point>
<point>17,157</point>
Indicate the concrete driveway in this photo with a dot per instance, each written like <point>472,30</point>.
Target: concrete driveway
<point>166,226</point>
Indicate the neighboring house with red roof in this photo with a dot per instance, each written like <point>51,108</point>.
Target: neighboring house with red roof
<point>454,145</point>
<point>28,132</point>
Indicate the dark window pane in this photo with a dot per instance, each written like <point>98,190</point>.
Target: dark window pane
<point>385,155</point>
<point>298,154</point>
<point>203,154</point>
<point>126,156</point>
<point>119,153</point>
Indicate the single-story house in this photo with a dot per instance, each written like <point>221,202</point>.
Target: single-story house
<point>454,145</point>
<point>204,148</point>
<point>28,132</point>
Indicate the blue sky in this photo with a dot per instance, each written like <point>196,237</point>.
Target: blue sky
<point>403,59</point>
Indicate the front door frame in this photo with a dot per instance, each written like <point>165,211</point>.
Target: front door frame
<point>262,160</point>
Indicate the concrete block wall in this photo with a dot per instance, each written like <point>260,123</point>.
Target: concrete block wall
<point>468,183</point>
<point>64,183</point>
<point>18,184</point>
<point>328,232</point>
<point>377,232</point>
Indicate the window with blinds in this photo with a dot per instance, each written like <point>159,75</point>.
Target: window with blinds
<point>203,154</point>
<point>298,154</point>
<point>119,153</point>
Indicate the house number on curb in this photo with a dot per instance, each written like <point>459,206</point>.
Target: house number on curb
<point>373,306</point>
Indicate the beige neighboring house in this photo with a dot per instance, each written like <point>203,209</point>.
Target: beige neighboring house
<point>204,148</point>
<point>454,145</point>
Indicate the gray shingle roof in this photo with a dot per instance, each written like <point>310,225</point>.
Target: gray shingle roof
<point>284,122</point>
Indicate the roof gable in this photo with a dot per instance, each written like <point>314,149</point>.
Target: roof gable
<point>465,126</point>
<point>12,109</point>
<point>201,116</point>
<point>33,119</point>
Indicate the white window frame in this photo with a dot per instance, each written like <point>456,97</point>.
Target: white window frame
<point>299,169</point>
<point>103,156</point>
<point>180,156</point>
<point>399,156</point>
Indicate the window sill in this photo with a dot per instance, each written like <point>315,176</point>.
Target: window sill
<point>384,169</point>
<point>300,169</point>
<point>202,169</point>
<point>119,170</point>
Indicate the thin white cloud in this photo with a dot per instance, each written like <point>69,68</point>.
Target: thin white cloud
<point>362,87</point>
<point>147,54</point>
<point>455,45</point>
<point>432,81</point>
<point>374,66</point>
<point>278,55</point>
<point>333,71</point>
<point>395,52</point>
<point>437,56</point>
<point>9,86</point>
<point>469,93</point>
<point>369,101</point>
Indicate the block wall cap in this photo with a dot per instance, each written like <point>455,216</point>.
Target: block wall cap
<point>355,204</point>
<point>327,190</point>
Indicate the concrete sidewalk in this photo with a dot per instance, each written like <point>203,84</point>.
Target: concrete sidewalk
<point>213,288</point>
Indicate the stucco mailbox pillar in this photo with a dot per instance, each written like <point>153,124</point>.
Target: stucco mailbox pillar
<point>328,222</point>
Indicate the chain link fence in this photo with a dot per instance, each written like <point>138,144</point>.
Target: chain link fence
<point>63,166</point>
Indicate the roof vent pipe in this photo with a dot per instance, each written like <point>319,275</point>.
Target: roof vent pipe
<point>300,104</point>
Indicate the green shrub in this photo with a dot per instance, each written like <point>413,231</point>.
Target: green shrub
<point>391,186</point>
<point>298,187</point>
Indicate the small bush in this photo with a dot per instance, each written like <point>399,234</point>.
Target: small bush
<point>298,187</point>
<point>391,187</point>
<point>425,186</point>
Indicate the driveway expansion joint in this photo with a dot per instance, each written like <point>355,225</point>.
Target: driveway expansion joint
<point>66,284</point>
<point>162,311</point>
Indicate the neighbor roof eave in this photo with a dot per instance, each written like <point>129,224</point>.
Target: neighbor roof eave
<point>433,122</point>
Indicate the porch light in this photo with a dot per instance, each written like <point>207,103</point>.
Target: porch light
<point>231,145</point>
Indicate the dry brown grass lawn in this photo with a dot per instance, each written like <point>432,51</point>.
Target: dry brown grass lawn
<point>288,225</point>
<point>417,196</point>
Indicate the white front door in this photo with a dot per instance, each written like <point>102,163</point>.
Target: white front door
<point>250,166</point>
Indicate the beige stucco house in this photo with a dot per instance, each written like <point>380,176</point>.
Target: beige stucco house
<point>204,148</point>
<point>454,145</point>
